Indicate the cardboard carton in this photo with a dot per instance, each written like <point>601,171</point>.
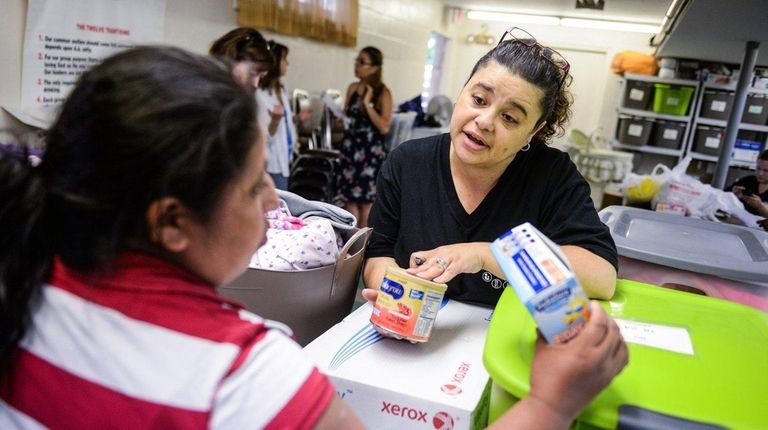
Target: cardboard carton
<point>440,384</point>
<point>542,278</point>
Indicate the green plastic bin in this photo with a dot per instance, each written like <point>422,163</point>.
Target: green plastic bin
<point>723,383</point>
<point>672,100</point>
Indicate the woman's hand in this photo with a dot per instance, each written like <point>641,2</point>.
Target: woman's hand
<point>277,112</point>
<point>567,377</point>
<point>445,262</point>
<point>367,94</point>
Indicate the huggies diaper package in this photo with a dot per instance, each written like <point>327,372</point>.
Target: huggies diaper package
<point>542,278</point>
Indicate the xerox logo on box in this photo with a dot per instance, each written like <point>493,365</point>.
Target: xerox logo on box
<point>442,421</point>
<point>453,388</point>
<point>403,411</point>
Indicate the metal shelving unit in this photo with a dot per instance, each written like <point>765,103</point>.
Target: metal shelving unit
<point>668,156</point>
<point>711,122</point>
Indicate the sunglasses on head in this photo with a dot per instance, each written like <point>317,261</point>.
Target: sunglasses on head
<point>361,62</point>
<point>518,35</point>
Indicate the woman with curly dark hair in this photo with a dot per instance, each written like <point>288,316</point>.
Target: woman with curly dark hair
<point>442,199</point>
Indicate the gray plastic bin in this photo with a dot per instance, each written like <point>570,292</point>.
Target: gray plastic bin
<point>722,260</point>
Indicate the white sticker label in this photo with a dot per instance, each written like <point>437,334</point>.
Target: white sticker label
<point>673,101</point>
<point>755,109</point>
<point>675,339</point>
<point>718,106</point>
<point>712,142</point>
<point>635,94</point>
<point>745,155</point>
<point>635,130</point>
<point>670,134</point>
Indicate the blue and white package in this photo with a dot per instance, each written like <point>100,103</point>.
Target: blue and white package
<point>542,278</point>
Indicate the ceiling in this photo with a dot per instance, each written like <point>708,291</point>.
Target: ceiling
<point>647,11</point>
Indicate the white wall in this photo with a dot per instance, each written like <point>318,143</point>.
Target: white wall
<point>400,28</point>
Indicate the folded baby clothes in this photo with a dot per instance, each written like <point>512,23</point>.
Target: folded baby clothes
<point>281,219</point>
<point>313,245</point>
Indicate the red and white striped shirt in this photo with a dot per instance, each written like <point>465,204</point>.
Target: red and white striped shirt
<point>149,346</point>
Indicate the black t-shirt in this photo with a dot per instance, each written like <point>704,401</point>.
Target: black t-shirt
<point>417,209</point>
<point>750,184</point>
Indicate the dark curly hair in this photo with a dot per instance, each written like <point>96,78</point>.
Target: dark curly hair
<point>534,63</point>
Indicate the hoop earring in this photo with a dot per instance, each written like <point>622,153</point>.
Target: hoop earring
<point>526,147</point>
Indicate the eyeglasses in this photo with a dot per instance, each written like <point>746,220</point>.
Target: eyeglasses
<point>517,34</point>
<point>360,62</point>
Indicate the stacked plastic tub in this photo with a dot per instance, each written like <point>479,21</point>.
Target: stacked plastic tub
<point>720,260</point>
<point>696,362</point>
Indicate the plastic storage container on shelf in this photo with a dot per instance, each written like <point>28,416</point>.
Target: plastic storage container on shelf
<point>756,109</point>
<point>638,94</point>
<point>635,131</point>
<point>668,134</point>
<point>716,105</point>
<point>721,260</point>
<point>693,360</point>
<point>708,140</point>
<point>672,100</point>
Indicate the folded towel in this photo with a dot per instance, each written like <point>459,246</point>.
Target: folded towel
<point>302,208</point>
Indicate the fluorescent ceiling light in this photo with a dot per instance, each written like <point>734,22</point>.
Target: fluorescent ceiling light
<point>515,18</point>
<point>512,18</point>
<point>609,25</point>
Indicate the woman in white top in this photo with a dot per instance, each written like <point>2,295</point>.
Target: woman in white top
<point>276,116</point>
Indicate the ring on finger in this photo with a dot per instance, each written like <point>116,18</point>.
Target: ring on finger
<point>442,263</point>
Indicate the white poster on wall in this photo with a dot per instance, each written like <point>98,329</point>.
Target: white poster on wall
<point>63,38</point>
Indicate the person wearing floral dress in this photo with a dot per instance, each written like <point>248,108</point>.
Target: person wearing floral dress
<point>369,108</point>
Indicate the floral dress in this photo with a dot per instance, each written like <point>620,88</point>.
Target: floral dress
<point>362,153</point>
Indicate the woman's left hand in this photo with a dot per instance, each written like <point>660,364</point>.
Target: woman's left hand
<point>445,262</point>
<point>367,94</point>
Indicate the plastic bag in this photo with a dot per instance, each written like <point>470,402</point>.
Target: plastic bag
<point>643,188</point>
<point>679,191</point>
<point>689,196</point>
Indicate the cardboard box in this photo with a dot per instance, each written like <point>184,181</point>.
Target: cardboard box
<point>746,150</point>
<point>440,384</point>
<point>540,274</point>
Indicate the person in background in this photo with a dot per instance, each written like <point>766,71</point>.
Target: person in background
<point>151,194</point>
<point>368,105</point>
<point>441,200</point>
<point>248,49</point>
<point>275,113</point>
<point>752,190</point>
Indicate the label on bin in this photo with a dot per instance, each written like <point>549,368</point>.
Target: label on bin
<point>670,134</point>
<point>755,109</point>
<point>673,101</point>
<point>718,106</point>
<point>635,130</point>
<point>636,94</point>
<point>675,339</point>
<point>712,142</point>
